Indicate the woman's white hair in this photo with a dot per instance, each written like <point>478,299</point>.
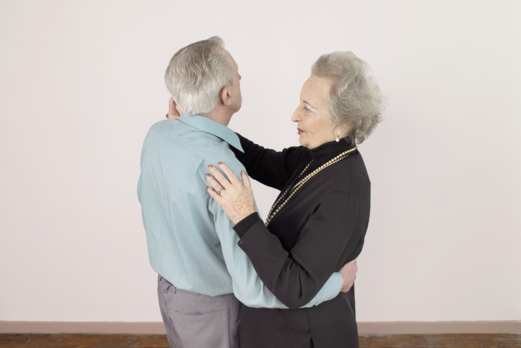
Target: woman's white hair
<point>355,98</point>
<point>197,73</point>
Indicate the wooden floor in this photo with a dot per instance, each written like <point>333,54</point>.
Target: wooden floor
<point>160,341</point>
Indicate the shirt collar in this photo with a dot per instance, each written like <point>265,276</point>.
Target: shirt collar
<point>215,128</point>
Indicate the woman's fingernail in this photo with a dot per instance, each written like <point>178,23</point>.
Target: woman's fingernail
<point>220,163</point>
<point>207,176</point>
<point>210,167</point>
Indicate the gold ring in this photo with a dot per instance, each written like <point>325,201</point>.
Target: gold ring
<point>221,190</point>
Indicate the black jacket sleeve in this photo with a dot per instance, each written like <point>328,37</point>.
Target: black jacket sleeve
<point>269,167</point>
<point>244,225</point>
<point>295,277</point>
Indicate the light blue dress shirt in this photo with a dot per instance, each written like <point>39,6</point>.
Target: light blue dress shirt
<point>191,241</point>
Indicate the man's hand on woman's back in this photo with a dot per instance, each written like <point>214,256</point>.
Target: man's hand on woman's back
<point>348,273</point>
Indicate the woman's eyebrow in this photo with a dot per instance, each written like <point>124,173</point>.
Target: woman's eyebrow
<point>309,104</point>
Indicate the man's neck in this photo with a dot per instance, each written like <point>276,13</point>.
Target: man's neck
<point>219,115</point>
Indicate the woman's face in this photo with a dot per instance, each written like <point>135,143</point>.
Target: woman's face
<point>312,115</point>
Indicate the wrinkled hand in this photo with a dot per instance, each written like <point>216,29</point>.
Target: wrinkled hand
<point>236,198</point>
<point>173,112</point>
<point>348,273</point>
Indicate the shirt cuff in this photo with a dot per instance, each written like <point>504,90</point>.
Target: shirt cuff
<point>244,225</point>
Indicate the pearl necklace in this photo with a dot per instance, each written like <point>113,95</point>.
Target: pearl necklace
<point>301,183</point>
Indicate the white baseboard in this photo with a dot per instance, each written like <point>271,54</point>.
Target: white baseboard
<point>364,328</point>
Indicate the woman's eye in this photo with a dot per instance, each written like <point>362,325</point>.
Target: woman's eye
<point>307,108</point>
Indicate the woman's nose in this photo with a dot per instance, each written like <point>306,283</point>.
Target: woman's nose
<point>295,117</point>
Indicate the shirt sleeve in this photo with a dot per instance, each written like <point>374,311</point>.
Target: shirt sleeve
<point>323,243</point>
<point>247,285</point>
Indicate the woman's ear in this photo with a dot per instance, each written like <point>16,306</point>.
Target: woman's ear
<point>343,130</point>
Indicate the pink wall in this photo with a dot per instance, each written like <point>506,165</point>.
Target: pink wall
<point>81,82</point>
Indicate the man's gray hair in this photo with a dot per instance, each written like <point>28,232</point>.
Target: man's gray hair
<point>197,73</point>
<point>355,98</point>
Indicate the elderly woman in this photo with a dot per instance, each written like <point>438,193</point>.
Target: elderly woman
<point>318,222</point>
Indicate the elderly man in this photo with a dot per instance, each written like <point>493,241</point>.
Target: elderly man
<point>191,243</point>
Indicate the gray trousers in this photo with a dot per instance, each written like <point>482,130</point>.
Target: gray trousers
<point>194,320</point>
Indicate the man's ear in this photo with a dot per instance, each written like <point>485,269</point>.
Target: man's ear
<point>225,96</point>
<point>173,108</point>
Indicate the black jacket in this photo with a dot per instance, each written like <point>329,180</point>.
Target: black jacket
<point>319,230</point>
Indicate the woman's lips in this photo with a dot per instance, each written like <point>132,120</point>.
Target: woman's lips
<point>300,131</point>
